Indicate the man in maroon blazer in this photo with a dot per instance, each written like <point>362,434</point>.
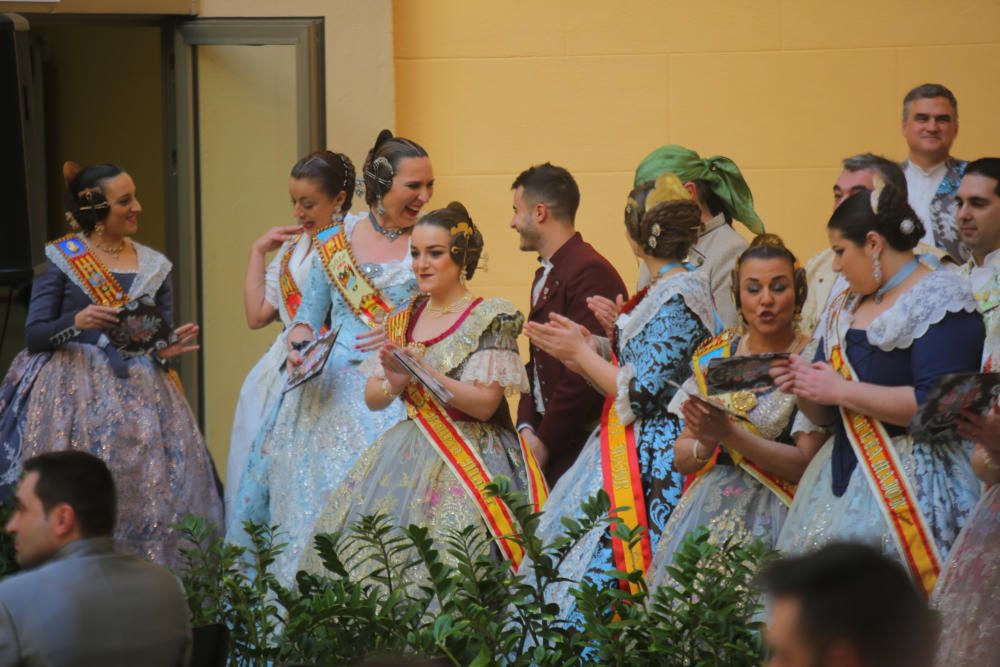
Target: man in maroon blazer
<point>561,409</point>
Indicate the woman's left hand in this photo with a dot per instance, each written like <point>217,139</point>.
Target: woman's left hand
<point>706,423</point>
<point>560,337</point>
<point>185,334</point>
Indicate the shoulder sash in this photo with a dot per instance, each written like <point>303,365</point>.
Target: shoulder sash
<point>447,439</point>
<point>365,300</point>
<point>291,294</point>
<point>100,284</point>
<point>719,347</point>
<point>623,484</point>
<point>872,445</point>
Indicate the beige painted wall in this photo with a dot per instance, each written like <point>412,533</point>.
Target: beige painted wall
<point>248,143</point>
<point>785,87</point>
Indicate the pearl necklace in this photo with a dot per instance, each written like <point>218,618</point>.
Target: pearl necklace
<point>456,306</point>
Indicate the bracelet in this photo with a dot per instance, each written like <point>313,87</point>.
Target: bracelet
<point>387,389</point>
<point>694,453</point>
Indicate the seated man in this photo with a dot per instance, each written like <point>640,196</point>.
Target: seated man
<point>79,602</point>
<point>846,605</point>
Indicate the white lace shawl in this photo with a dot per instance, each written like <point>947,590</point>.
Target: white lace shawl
<point>694,288</point>
<point>153,269</point>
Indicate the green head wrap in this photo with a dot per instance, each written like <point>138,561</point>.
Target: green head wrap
<point>721,173</point>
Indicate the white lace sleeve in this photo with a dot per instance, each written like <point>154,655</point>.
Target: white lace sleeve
<point>623,399</point>
<point>272,294</point>
<point>803,424</point>
<point>503,367</point>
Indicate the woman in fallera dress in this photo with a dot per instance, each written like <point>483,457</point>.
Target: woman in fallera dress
<point>744,472</point>
<point>321,187</point>
<point>360,272</point>
<point>654,337</point>
<point>469,346</point>
<point>72,389</point>
<point>888,338</point>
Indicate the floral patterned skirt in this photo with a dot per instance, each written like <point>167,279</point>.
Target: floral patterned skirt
<point>403,477</point>
<point>142,427</point>
<point>728,502</point>
<point>967,592</point>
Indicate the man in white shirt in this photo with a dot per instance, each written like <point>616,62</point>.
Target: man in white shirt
<point>978,201</point>
<point>930,125</point>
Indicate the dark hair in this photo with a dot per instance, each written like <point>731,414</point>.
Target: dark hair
<point>553,186</point>
<point>669,229</point>
<point>383,161</point>
<point>895,220</point>
<point>852,593</point>
<point>927,91</point>
<point>986,166</point>
<point>771,246</point>
<point>710,200</point>
<point>80,480</point>
<point>86,204</point>
<point>333,171</point>
<point>466,245</point>
<point>889,171</point>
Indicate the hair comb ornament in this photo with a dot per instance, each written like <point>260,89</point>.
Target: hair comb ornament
<point>877,186</point>
<point>379,166</point>
<point>666,188</point>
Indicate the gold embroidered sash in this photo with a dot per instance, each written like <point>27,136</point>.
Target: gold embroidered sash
<point>100,284</point>
<point>365,300</point>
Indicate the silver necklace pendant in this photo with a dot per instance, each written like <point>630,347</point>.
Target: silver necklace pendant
<point>391,234</point>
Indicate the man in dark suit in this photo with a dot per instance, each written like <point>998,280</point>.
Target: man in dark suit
<point>561,409</point>
<point>81,604</point>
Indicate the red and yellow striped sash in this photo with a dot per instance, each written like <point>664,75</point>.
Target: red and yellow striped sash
<point>873,447</point>
<point>623,484</point>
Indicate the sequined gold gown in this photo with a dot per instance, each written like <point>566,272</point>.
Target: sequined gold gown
<point>402,476</point>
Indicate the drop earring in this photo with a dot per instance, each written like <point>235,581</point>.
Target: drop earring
<point>337,217</point>
<point>378,206</point>
<point>877,269</point>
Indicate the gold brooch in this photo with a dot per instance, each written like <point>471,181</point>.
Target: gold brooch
<point>744,401</point>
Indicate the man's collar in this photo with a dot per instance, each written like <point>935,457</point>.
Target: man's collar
<point>933,171</point>
<point>717,221</point>
<point>990,259</point>
<point>84,547</point>
<point>564,249</point>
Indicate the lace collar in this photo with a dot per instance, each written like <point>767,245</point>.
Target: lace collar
<point>927,302</point>
<point>693,286</point>
<point>387,274</point>
<point>448,353</point>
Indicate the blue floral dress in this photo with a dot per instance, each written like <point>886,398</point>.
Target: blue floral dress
<point>320,428</point>
<point>655,343</point>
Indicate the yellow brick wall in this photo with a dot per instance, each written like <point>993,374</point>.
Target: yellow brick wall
<point>784,87</point>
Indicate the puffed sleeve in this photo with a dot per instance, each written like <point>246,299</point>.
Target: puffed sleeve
<point>316,299</point>
<point>47,326</point>
<point>496,360</point>
<point>665,347</point>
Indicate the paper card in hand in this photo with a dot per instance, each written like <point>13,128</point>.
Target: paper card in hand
<point>951,394</point>
<point>314,356</point>
<point>141,329</point>
<point>746,373</point>
<point>420,375</point>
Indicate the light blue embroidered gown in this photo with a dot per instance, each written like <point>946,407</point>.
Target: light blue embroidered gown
<point>261,389</point>
<point>656,341</point>
<point>932,329</point>
<point>321,427</point>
